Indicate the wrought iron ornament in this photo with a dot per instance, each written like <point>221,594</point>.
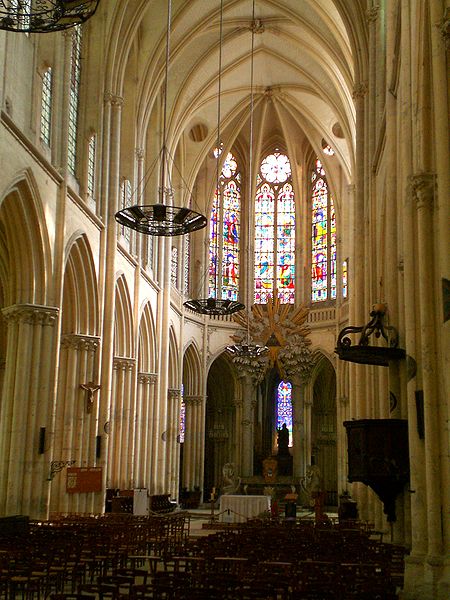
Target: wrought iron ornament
<point>43,16</point>
<point>363,352</point>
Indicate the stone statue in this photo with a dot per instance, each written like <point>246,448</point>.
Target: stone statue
<point>283,440</point>
<point>312,484</point>
<point>230,482</point>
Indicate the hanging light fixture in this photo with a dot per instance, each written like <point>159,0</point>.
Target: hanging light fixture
<point>363,352</point>
<point>214,305</point>
<point>249,349</point>
<point>42,16</point>
<point>162,219</point>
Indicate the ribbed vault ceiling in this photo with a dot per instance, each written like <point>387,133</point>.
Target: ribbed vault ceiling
<point>304,71</point>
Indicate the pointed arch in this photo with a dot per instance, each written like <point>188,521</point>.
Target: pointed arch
<point>80,293</point>
<point>192,369</point>
<point>324,424</point>
<point>123,322</point>
<point>24,259</point>
<point>174,366</point>
<point>147,341</point>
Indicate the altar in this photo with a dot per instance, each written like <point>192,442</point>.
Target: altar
<point>237,509</point>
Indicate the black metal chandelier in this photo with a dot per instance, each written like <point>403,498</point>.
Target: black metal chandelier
<point>43,16</point>
<point>162,219</point>
<point>214,305</point>
<point>363,352</point>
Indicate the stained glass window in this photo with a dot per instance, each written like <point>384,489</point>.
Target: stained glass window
<point>182,422</point>
<point>174,267</point>
<point>46,106</point>
<point>91,166</point>
<point>187,258</point>
<point>274,230</point>
<point>323,238</point>
<point>125,196</point>
<point>225,232</point>
<point>75,76</point>
<point>345,278</point>
<point>284,407</point>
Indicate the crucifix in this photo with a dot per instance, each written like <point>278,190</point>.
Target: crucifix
<point>91,388</point>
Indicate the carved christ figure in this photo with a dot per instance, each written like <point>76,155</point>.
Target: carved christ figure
<point>91,388</point>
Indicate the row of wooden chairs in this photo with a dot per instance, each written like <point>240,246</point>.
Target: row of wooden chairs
<point>52,556</point>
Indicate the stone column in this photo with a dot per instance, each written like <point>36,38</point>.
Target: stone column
<point>76,427</point>
<point>109,202</point>
<point>341,441</point>
<point>26,406</point>
<point>423,186</point>
<point>144,424</point>
<point>121,443</point>
<point>357,299</point>
<point>193,441</point>
<point>172,432</point>
<point>248,406</point>
<point>298,428</point>
<point>238,435</point>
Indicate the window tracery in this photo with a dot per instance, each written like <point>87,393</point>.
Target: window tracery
<point>274,231</point>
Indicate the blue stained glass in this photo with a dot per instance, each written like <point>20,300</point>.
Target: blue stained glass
<point>284,407</point>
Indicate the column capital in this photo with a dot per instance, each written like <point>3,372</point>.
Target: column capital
<point>140,153</point>
<point>68,34</point>
<point>31,314</point>
<point>80,342</point>
<point>193,400</point>
<point>372,13</point>
<point>173,394</point>
<point>444,27</point>
<point>147,378</point>
<point>121,363</point>
<point>113,99</point>
<point>422,188</point>
<point>237,402</point>
<point>359,91</point>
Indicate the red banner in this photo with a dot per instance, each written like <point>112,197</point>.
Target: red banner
<point>84,479</point>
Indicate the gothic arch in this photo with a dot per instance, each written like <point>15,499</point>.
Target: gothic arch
<point>25,264</point>
<point>192,371</point>
<point>80,292</point>
<point>123,322</point>
<point>324,424</point>
<point>174,363</point>
<point>147,341</point>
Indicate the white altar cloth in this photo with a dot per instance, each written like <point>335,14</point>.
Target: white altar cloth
<point>237,509</point>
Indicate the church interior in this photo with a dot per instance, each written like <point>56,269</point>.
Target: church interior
<point>225,277</point>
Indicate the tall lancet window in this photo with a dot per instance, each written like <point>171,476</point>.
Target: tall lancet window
<point>284,407</point>
<point>46,106</point>
<point>225,232</point>
<point>274,231</point>
<point>323,238</point>
<point>74,93</point>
